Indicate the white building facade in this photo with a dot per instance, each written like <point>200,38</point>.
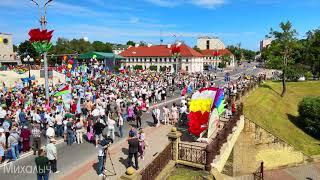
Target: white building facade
<point>160,57</point>
<point>7,56</point>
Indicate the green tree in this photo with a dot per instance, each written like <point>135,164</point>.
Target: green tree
<point>309,110</point>
<point>131,43</point>
<point>101,47</point>
<point>25,49</point>
<point>281,51</point>
<point>311,53</point>
<point>15,48</point>
<point>197,49</point>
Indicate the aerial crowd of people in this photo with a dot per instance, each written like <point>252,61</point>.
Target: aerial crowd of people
<point>95,107</point>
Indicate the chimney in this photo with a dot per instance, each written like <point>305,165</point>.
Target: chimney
<point>137,45</point>
<point>169,46</point>
<point>149,44</point>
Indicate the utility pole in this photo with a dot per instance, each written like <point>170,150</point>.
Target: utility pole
<point>43,23</point>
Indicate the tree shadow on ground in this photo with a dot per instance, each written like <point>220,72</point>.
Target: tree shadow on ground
<point>269,87</point>
<point>297,121</point>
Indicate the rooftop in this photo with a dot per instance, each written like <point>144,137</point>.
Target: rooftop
<point>159,51</point>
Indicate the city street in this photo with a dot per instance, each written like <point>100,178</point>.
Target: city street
<point>70,157</point>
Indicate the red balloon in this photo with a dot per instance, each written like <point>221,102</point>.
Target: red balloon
<point>198,122</point>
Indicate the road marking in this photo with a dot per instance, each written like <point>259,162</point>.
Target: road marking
<point>28,154</point>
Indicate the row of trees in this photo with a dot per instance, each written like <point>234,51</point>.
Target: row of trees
<point>65,46</point>
<point>294,57</point>
<point>241,53</point>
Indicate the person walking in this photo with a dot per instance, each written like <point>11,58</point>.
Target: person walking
<point>120,124</point>
<point>141,137</point>
<point>166,113</point>
<point>133,150</point>
<point>2,144</point>
<point>138,114</point>
<point>79,131</point>
<point>43,167</point>
<point>25,138</point>
<point>101,158</point>
<point>36,138</point>
<point>52,155</point>
<point>111,124</point>
<point>13,143</point>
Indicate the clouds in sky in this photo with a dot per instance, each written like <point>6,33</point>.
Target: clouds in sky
<point>200,3</point>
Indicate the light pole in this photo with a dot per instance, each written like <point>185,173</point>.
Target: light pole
<point>43,23</point>
<point>29,60</point>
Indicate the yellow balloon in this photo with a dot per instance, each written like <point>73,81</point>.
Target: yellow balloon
<point>69,66</point>
<point>1,40</point>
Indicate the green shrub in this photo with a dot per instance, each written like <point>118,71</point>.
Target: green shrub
<point>137,67</point>
<point>309,110</point>
<point>153,68</point>
<point>308,75</point>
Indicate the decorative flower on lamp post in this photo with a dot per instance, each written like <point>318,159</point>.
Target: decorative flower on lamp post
<point>40,40</point>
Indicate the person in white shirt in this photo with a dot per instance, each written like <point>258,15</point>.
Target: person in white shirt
<point>50,132</point>
<point>52,155</point>
<point>166,113</point>
<point>59,127</point>
<point>96,113</point>
<point>111,124</point>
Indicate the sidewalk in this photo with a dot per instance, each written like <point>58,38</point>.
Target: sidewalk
<point>157,141</point>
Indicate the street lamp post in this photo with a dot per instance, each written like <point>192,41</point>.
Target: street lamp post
<point>29,60</point>
<point>43,23</point>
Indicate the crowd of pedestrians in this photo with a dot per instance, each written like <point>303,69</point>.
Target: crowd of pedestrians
<point>97,105</point>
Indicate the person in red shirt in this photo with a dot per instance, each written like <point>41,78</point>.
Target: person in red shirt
<point>233,108</point>
<point>73,108</point>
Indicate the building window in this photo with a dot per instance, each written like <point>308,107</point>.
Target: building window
<point>187,68</point>
<point>208,44</point>
<point>187,60</point>
<point>145,59</point>
<point>156,59</point>
<point>150,59</point>
<point>175,60</point>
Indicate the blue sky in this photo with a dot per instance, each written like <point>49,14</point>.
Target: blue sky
<point>234,21</point>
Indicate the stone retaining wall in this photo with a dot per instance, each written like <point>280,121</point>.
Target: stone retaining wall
<point>256,144</point>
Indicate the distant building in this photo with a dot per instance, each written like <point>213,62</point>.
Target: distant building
<point>119,49</point>
<point>160,56</point>
<point>7,56</point>
<point>214,49</point>
<point>204,43</point>
<point>265,43</point>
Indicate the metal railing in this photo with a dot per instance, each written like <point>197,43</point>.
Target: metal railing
<point>153,169</point>
<point>192,153</point>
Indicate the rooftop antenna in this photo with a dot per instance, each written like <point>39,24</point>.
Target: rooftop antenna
<point>161,39</point>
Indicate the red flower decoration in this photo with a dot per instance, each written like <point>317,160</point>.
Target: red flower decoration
<point>175,49</point>
<point>197,122</point>
<point>38,35</point>
<point>216,53</point>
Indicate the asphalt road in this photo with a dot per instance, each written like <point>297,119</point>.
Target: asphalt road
<point>71,156</point>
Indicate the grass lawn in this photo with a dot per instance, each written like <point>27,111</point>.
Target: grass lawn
<point>183,173</point>
<point>265,107</point>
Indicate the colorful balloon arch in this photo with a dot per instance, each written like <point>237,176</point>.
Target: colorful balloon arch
<point>201,105</point>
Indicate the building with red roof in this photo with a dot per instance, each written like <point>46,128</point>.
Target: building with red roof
<point>171,57</point>
<point>214,57</point>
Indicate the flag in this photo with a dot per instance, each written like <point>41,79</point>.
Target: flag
<point>189,89</point>
<point>63,89</point>
<point>184,91</point>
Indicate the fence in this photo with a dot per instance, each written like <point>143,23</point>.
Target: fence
<point>192,153</point>
<point>154,168</point>
<point>213,149</point>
